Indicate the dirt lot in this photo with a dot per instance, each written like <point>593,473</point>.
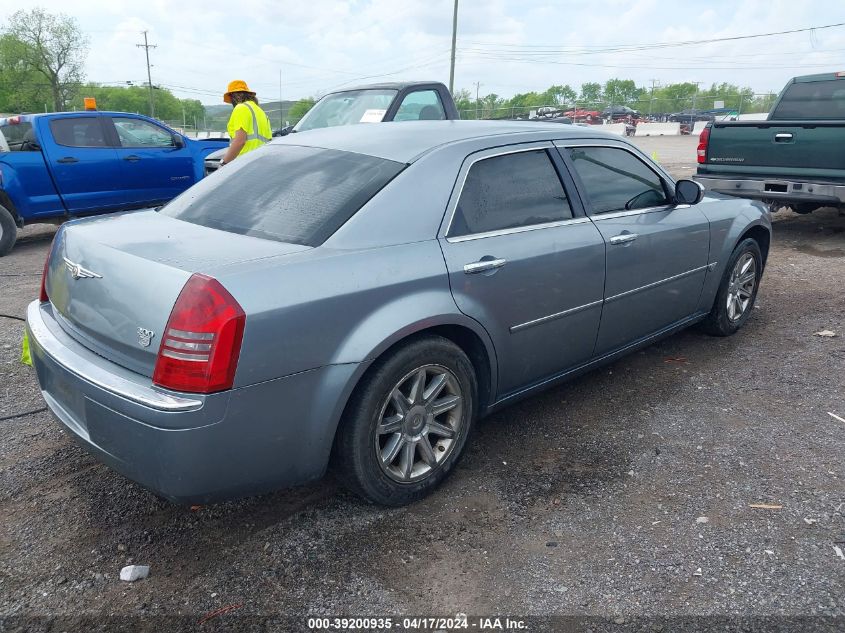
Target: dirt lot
<point>626,493</point>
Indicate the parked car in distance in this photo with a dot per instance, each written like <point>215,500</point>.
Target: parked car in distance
<point>690,116</point>
<point>373,103</point>
<point>583,116</point>
<point>792,159</point>
<point>378,290</point>
<point>620,113</point>
<point>67,164</point>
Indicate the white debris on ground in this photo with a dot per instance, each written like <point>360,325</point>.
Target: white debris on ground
<point>131,573</point>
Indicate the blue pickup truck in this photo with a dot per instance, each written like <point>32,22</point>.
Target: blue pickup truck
<point>57,166</point>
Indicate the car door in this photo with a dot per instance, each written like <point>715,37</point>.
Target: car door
<point>524,262</point>
<point>657,252</point>
<point>84,167</point>
<point>155,166</point>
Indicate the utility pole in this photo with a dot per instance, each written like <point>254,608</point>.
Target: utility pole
<point>281,114</point>
<point>477,102</point>
<point>147,48</point>
<point>651,101</point>
<point>454,41</point>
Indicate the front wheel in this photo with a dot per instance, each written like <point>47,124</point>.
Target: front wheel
<point>737,291</point>
<point>407,423</point>
<point>8,231</point>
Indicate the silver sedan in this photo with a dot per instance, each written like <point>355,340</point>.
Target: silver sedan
<point>360,296</point>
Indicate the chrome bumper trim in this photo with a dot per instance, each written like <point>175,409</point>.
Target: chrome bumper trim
<point>69,355</point>
<point>756,188</point>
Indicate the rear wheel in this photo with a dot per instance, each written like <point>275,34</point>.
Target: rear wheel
<point>8,231</point>
<point>737,291</point>
<point>407,423</point>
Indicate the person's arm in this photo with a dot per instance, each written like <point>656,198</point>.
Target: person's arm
<point>235,147</point>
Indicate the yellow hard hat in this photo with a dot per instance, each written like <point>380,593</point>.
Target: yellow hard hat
<point>238,85</point>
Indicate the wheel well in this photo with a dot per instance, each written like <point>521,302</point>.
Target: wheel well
<point>470,344</point>
<point>6,202</point>
<point>762,237</point>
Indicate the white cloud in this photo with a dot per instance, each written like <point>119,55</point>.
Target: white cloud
<point>319,44</point>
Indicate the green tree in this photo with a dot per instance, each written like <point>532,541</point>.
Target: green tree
<point>299,109</point>
<point>621,91</point>
<point>21,88</point>
<point>54,47</point>
<point>590,92</point>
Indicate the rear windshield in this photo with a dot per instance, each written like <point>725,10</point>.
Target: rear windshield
<point>812,101</point>
<point>286,193</point>
<point>17,137</point>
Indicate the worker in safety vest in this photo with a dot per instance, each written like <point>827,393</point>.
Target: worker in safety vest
<point>249,128</point>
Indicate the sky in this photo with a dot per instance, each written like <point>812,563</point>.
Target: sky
<point>507,46</point>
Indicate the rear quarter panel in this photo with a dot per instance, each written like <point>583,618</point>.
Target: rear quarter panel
<point>25,179</point>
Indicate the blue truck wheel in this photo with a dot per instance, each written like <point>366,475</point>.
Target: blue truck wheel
<point>8,231</point>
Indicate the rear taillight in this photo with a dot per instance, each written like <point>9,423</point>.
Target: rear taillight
<point>42,297</point>
<point>703,140</point>
<point>202,340</point>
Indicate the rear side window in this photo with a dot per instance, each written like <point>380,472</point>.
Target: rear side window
<point>616,180</point>
<point>813,100</point>
<point>510,191</point>
<point>286,193</point>
<point>422,105</point>
<point>78,132</point>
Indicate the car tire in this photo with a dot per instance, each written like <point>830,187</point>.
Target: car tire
<point>737,290</point>
<point>803,208</point>
<point>381,432</point>
<point>8,231</point>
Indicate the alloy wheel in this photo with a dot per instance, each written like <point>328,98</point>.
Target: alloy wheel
<point>741,286</point>
<point>419,423</point>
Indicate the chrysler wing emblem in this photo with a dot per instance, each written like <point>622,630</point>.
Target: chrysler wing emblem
<point>78,272</point>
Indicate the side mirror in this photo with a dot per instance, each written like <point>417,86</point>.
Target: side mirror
<point>178,141</point>
<point>688,192</point>
<point>284,131</point>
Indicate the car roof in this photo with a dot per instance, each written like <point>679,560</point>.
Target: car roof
<point>406,141</point>
<point>388,85</point>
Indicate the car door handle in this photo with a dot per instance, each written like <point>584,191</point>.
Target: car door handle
<point>132,158</point>
<point>623,239</point>
<point>68,159</point>
<point>483,266</point>
<point>783,137</point>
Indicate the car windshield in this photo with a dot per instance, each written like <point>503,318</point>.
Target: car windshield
<point>286,193</point>
<point>346,108</point>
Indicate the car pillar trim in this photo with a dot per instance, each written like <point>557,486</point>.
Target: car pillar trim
<point>516,229</point>
<point>556,315</point>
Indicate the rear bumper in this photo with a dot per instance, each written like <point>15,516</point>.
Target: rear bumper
<point>777,189</point>
<point>186,448</point>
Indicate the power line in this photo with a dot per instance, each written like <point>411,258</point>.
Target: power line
<point>624,47</point>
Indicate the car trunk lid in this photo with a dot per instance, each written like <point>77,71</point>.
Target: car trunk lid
<point>113,281</point>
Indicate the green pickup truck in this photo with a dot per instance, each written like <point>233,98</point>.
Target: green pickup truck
<point>795,158</point>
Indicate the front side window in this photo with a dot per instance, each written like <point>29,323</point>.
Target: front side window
<point>138,133</point>
<point>422,105</point>
<point>78,132</point>
<point>616,180</point>
<point>287,193</point>
<point>510,191</point>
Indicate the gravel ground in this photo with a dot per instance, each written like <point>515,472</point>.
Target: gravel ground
<point>627,493</point>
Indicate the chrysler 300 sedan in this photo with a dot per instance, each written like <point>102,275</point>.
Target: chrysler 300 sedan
<point>360,296</point>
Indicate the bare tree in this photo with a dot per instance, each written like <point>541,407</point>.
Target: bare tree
<point>54,47</point>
